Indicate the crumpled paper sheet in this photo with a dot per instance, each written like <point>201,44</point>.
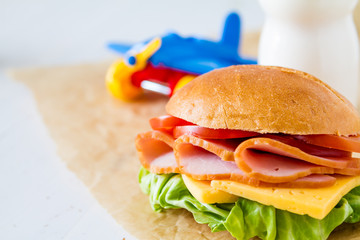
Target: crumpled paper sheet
<point>95,136</point>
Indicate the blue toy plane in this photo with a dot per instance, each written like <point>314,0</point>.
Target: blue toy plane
<point>173,54</point>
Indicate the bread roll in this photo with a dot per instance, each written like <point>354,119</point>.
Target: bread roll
<point>265,99</point>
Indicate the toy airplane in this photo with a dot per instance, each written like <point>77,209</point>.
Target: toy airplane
<point>165,64</point>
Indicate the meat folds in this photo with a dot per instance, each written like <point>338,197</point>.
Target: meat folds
<point>266,160</point>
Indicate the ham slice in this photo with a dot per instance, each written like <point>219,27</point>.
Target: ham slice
<point>274,160</point>
<point>269,167</point>
<point>351,143</point>
<point>223,148</point>
<point>203,160</point>
<point>155,151</point>
<point>201,164</point>
<point>270,160</point>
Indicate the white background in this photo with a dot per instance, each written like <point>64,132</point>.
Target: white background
<point>39,197</point>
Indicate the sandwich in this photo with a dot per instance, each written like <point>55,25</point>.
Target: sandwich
<point>257,151</point>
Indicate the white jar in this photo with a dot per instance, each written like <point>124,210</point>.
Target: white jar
<point>315,36</point>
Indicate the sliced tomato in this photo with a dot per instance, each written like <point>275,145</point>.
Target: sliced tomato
<point>209,133</point>
<point>167,123</point>
<point>350,144</point>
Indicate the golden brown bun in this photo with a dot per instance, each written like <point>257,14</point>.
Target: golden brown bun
<point>264,99</point>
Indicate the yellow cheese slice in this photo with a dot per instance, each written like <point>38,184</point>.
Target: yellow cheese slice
<point>204,193</point>
<point>316,202</point>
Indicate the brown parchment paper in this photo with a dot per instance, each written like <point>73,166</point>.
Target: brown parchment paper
<point>95,136</point>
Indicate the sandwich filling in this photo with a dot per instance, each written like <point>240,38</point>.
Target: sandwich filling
<point>256,160</point>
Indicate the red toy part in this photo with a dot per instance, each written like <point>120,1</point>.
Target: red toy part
<point>165,76</point>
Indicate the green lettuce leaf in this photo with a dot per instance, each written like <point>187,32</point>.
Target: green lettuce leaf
<point>245,218</point>
<point>168,191</point>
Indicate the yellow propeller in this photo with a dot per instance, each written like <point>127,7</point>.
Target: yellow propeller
<point>118,76</point>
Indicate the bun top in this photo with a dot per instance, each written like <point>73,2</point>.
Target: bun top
<point>264,99</point>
